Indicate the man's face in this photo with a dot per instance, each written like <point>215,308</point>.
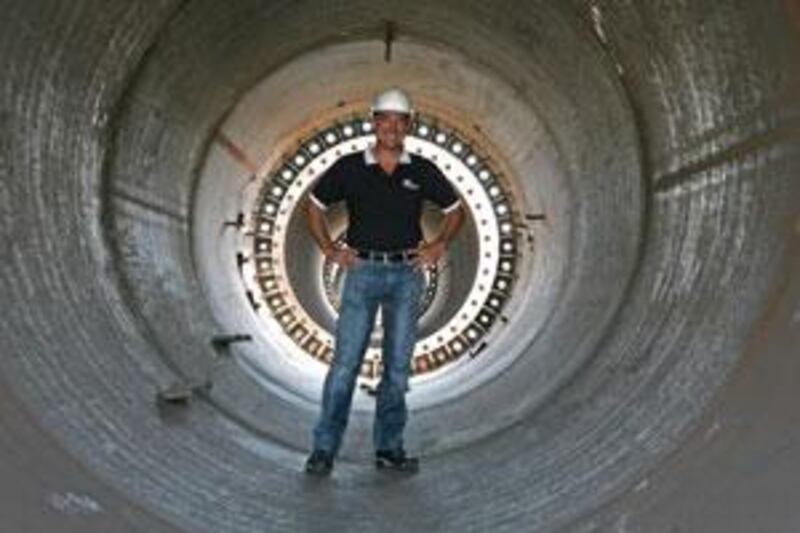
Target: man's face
<point>390,129</point>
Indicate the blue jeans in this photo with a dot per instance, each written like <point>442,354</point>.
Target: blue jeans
<point>396,288</point>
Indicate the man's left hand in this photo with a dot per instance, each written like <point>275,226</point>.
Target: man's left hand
<point>429,253</point>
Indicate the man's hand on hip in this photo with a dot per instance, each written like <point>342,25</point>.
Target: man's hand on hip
<point>342,256</point>
<point>429,253</point>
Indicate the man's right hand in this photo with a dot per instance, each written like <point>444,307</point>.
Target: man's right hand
<point>342,256</point>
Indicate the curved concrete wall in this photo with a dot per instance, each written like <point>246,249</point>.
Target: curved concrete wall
<point>664,151</point>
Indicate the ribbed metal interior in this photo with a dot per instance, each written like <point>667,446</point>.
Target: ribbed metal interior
<point>646,376</point>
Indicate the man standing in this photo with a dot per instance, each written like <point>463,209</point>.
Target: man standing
<point>384,254</point>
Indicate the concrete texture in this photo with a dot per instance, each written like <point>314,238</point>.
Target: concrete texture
<point>646,380</point>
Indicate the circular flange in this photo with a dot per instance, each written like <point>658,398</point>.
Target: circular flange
<point>483,194</point>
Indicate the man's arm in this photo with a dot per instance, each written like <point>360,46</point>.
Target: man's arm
<point>451,224</point>
<point>429,253</point>
<point>318,227</point>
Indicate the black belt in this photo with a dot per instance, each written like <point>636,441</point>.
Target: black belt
<point>387,257</point>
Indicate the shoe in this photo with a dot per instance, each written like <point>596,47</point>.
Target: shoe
<point>396,460</point>
<point>319,463</point>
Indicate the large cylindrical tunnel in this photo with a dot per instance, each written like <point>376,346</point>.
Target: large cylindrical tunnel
<point>611,344</point>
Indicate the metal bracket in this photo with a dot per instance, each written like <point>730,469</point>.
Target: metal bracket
<point>238,223</point>
<point>388,39</point>
<point>181,393</point>
<point>220,342</point>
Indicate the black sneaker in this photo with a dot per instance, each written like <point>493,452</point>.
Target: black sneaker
<point>396,460</point>
<point>319,463</point>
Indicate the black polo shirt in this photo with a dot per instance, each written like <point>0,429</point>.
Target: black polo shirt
<point>384,209</point>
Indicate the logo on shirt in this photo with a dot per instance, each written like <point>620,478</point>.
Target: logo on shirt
<point>411,185</point>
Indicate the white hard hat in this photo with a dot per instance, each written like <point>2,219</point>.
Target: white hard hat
<point>392,100</point>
